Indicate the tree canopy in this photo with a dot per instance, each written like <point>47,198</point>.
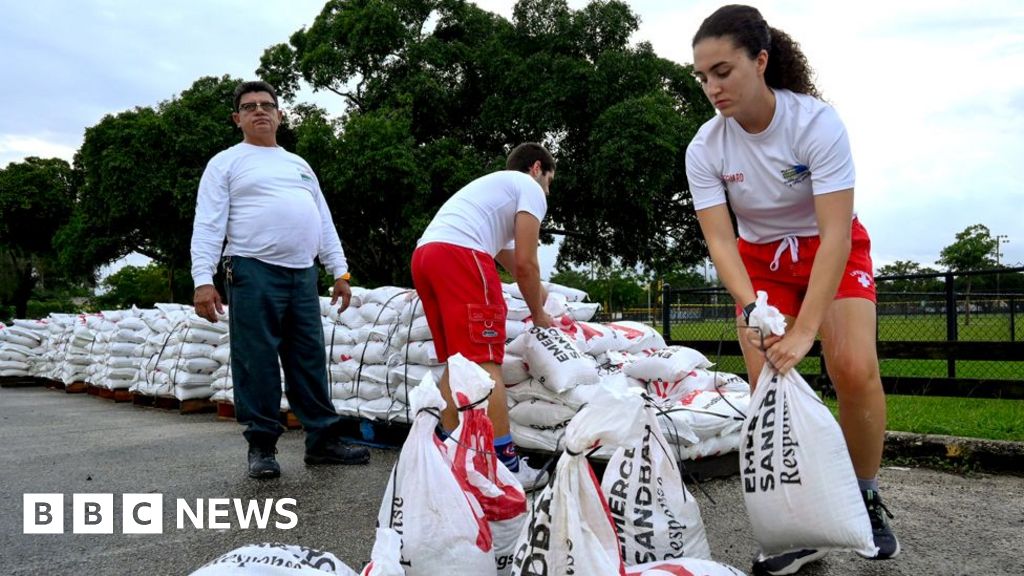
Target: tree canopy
<point>36,199</point>
<point>438,91</point>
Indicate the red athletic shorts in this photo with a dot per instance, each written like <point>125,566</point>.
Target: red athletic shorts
<point>771,268</point>
<point>461,295</point>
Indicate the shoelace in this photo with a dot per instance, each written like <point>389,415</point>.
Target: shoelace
<point>793,245</point>
<point>875,509</point>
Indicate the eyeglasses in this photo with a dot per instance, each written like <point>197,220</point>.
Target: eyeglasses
<point>252,106</point>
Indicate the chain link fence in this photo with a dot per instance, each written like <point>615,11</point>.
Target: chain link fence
<point>984,306</point>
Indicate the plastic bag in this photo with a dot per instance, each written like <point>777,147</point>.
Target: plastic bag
<point>442,526</point>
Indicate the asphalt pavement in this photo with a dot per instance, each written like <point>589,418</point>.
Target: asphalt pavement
<point>57,443</point>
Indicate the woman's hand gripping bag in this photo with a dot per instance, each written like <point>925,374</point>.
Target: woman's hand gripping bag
<point>472,445</point>
<point>442,526</point>
<point>798,481</point>
<point>656,517</point>
<point>570,529</point>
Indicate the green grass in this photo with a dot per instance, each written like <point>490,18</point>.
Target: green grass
<point>964,417</point>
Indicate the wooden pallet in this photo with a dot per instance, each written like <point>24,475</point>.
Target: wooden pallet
<point>92,389</point>
<point>21,381</point>
<point>76,388</point>
<point>226,411</point>
<point>194,406</point>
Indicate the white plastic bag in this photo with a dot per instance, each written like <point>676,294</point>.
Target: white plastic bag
<point>275,560</point>
<point>556,362</point>
<point>570,530</point>
<point>471,445</point>
<point>798,482</point>
<point>656,517</point>
<point>442,526</point>
<point>386,558</point>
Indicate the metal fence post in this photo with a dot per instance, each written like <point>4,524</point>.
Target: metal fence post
<point>1013,310</point>
<point>951,324</point>
<point>666,312</point>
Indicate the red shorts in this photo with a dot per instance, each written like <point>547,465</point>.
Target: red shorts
<point>771,268</point>
<point>461,295</point>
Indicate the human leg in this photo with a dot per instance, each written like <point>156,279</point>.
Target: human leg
<point>254,319</point>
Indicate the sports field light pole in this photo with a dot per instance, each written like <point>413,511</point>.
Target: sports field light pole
<point>1000,239</point>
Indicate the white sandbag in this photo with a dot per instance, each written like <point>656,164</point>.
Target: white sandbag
<point>533,439</point>
<point>371,352</point>
<point>683,567</point>
<point>571,294</point>
<point>352,318</point>
<point>570,530</point>
<point>798,482</point>
<point>655,516</point>
<point>411,374</point>
<point>376,373</point>
<point>275,560</point>
<point>583,311</point>
<point>442,527</point>
<point>336,334</point>
<point>386,557</point>
<point>669,364</point>
<point>533,390</point>
<point>222,354</point>
<point>339,353</point>
<point>377,314</point>
<point>422,353</point>
<point>475,463</point>
<point>731,383</point>
<point>556,362</point>
<point>364,390</point>
<point>542,415</point>
<point>706,414</point>
<point>640,336</point>
<point>394,297</point>
<point>514,370</point>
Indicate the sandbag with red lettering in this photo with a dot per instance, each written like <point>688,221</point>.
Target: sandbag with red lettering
<point>442,525</point>
<point>683,567</point>
<point>472,445</point>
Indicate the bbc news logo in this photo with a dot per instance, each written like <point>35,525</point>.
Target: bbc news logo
<point>144,514</point>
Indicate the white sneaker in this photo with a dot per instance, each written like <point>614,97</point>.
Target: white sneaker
<point>531,478</point>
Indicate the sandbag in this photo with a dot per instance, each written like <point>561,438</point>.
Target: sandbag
<point>570,530</point>
<point>499,493</point>
<point>275,560</point>
<point>798,482</point>
<point>556,362</point>
<point>655,516</point>
<point>442,526</point>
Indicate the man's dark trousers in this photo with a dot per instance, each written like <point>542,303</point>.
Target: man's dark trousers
<point>275,313</point>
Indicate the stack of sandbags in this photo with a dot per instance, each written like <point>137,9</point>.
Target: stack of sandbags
<point>182,366</point>
<point>77,359</point>
<point>21,346</point>
<point>119,368</point>
<point>363,347</point>
<point>61,331</point>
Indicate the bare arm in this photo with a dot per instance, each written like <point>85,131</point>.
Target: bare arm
<point>721,240</point>
<point>527,267</point>
<point>507,259</point>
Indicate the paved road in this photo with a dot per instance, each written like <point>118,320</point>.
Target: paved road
<point>59,443</point>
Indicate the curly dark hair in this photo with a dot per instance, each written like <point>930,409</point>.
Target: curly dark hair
<point>787,65</point>
<point>526,154</point>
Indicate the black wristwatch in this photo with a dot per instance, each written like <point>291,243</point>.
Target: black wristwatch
<point>746,312</point>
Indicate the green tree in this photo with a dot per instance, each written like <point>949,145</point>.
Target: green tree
<point>437,91</point>
<point>908,268</point>
<point>36,196</point>
<point>141,286</point>
<point>615,288</point>
<point>974,249</point>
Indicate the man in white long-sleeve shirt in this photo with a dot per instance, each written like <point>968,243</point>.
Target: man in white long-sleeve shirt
<point>267,203</point>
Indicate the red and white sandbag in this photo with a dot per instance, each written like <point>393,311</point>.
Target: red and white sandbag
<point>683,567</point>
<point>556,362</point>
<point>442,525</point>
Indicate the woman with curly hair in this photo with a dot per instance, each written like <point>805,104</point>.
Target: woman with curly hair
<point>779,158</point>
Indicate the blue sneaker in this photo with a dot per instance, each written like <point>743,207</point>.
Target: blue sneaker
<point>885,538</point>
<point>786,563</point>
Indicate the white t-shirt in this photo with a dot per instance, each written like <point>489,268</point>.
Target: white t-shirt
<point>771,177</point>
<point>482,215</point>
<point>267,202</point>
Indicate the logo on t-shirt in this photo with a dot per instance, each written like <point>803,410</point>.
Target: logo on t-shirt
<point>795,174</point>
<point>304,176</point>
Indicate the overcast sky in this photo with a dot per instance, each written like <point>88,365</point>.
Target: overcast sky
<point>932,91</point>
